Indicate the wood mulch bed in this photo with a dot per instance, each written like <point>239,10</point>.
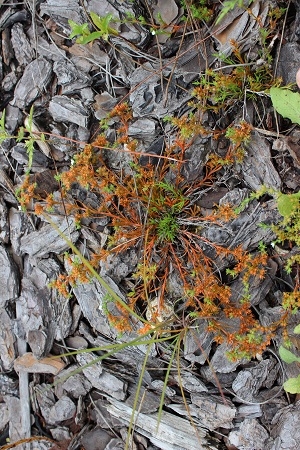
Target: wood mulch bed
<point>72,87</point>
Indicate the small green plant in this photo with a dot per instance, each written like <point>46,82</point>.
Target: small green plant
<point>26,135</point>
<point>289,207</point>
<point>29,137</point>
<point>3,133</point>
<point>197,9</point>
<point>292,385</point>
<point>288,230</point>
<point>104,28</point>
<point>101,23</point>
<point>167,227</point>
<point>217,90</point>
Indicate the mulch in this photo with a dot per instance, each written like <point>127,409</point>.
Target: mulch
<point>71,88</point>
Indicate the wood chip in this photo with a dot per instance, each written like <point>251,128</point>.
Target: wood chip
<point>173,433</point>
<point>29,363</point>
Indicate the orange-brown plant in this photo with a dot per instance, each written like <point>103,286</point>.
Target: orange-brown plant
<point>152,209</point>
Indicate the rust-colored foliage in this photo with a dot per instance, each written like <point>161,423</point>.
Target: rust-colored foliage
<point>153,210</point>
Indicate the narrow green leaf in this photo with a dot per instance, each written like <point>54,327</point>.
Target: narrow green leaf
<point>138,390</point>
<point>286,103</point>
<point>97,20</point>
<point>2,121</point>
<point>78,29</point>
<point>162,397</point>
<point>21,133</point>
<point>101,22</point>
<point>292,385</point>
<point>297,329</point>
<point>287,356</point>
<point>29,121</point>
<point>91,37</point>
<point>29,144</point>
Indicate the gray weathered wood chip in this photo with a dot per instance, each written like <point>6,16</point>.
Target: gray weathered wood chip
<point>34,243</point>
<point>64,109</point>
<point>173,433</point>
<point>33,83</point>
<point>100,378</point>
<point>9,277</point>
<point>22,47</point>
<point>249,381</point>
<point>69,77</point>
<point>250,435</point>
<point>285,432</point>
<point>7,341</point>
<point>211,411</point>
<point>257,167</point>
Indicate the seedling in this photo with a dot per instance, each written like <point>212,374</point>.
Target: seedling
<point>26,135</point>
<point>101,23</point>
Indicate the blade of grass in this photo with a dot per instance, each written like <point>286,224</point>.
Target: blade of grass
<point>114,349</point>
<point>119,346</point>
<point>184,397</point>
<point>161,404</point>
<point>137,397</point>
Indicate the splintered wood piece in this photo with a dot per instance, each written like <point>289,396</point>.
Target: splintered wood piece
<point>29,363</point>
<point>173,433</point>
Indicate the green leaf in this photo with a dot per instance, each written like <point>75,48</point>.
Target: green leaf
<point>292,385</point>
<point>297,329</point>
<point>287,356</point>
<point>286,103</point>
<point>288,203</point>
<point>91,37</point>
<point>21,133</point>
<point>2,121</point>
<point>101,22</point>
<point>78,29</point>
<point>142,20</point>
<point>161,404</point>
